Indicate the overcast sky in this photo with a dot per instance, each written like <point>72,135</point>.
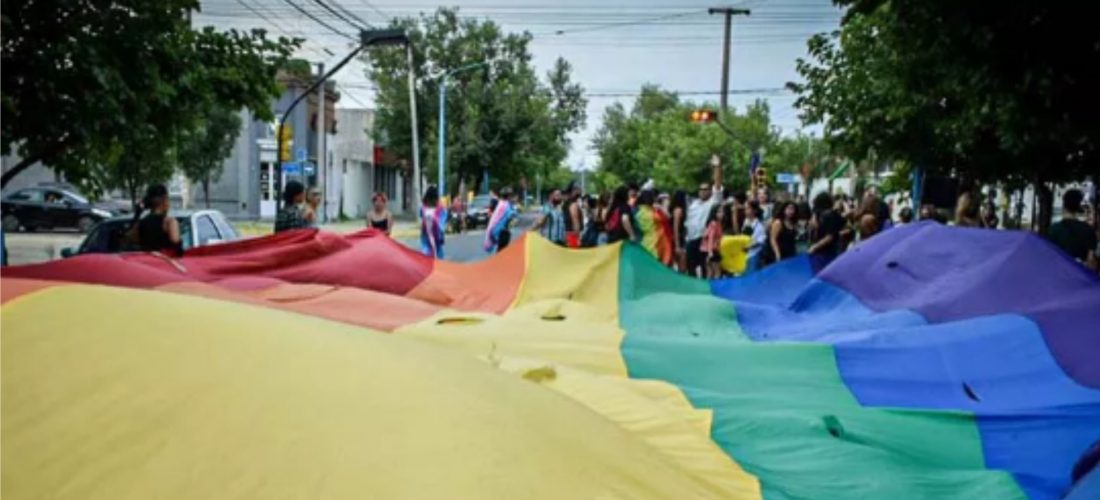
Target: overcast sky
<point>615,46</point>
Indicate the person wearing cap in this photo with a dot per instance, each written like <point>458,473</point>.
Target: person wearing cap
<point>290,216</point>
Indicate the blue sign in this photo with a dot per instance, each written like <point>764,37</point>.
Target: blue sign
<point>292,168</point>
<point>300,154</point>
<point>310,169</point>
<point>787,179</point>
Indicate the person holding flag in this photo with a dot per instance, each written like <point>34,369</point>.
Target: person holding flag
<point>433,218</point>
<point>654,226</point>
<point>499,232</point>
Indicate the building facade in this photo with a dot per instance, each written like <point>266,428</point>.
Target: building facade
<point>357,174</point>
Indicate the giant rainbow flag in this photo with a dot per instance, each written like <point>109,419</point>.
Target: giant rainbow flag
<point>928,362</point>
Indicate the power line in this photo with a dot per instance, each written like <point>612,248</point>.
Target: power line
<point>317,20</point>
<point>622,24</point>
<point>778,91</point>
<point>351,96</point>
<point>341,8</point>
<point>337,14</point>
<point>376,9</point>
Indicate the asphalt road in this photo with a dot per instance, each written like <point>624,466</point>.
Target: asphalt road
<point>31,248</point>
<point>467,247</point>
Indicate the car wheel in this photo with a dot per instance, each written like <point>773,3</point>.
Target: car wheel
<point>85,224</point>
<point>11,223</point>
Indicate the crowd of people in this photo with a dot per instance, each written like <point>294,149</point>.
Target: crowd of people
<point>691,234</point>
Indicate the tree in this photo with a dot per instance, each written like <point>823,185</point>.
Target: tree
<point>500,117</point>
<point>90,83</point>
<point>656,139</point>
<point>958,87</point>
<point>203,149</point>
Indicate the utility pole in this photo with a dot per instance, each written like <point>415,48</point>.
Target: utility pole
<point>321,131</point>
<point>442,163</point>
<point>416,189</point>
<point>729,12</point>
<point>443,77</point>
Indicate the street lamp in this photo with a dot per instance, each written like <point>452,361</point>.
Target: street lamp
<point>368,38</point>
<point>443,118</point>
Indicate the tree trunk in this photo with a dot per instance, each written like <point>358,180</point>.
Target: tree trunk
<point>206,191</point>
<point>1046,207</point>
<point>23,164</point>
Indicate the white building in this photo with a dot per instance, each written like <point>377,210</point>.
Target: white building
<point>355,172</point>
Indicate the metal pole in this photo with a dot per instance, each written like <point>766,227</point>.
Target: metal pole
<point>726,65</point>
<point>306,92</point>
<point>415,129</point>
<point>442,132</point>
<point>729,13</point>
<point>321,156</point>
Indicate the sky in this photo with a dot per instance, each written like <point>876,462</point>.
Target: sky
<point>614,46</point>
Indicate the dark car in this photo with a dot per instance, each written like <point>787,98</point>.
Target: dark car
<point>478,212</point>
<point>199,228</point>
<point>38,208</point>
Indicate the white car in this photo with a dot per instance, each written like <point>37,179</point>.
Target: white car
<point>197,228</point>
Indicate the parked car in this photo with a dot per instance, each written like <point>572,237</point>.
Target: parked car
<point>478,211</point>
<point>197,228</point>
<point>48,208</point>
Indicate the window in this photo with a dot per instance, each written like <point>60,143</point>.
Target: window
<point>32,195</point>
<point>206,230</point>
<point>185,232</point>
<point>55,197</point>
<point>226,229</point>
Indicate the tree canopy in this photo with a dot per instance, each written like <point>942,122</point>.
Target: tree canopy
<point>88,87</point>
<point>203,148</point>
<point>500,116</point>
<point>995,93</point>
<point>657,139</point>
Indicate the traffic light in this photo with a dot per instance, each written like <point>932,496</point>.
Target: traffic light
<point>704,116</point>
<point>285,139</point>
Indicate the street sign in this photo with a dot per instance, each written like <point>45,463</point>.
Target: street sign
<point>300,155</point>
<point>788,179</point>
<point>310,168</point>
<point>292,168</point>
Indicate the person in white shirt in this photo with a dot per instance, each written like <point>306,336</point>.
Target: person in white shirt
<point>757,233</point>
<point>696,222</point>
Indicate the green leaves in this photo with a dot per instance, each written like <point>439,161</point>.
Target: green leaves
<point>500,116</point>
<point>958,87</point>
<point>657,140</point>
<point>88,86</point>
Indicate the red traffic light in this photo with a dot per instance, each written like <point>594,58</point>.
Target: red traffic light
<point>704,116</point>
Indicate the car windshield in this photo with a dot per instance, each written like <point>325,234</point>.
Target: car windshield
<point>75,197</point>
<point>480,202</point>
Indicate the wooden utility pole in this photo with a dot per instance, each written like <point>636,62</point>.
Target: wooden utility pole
<point>729,12</point>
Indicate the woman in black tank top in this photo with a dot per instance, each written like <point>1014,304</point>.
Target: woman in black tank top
<point>380,218</point>
<point>159,232</point>
<point>783,233</point>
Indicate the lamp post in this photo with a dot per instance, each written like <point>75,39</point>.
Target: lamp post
<point>367,38</point>
<point>443,120</point>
